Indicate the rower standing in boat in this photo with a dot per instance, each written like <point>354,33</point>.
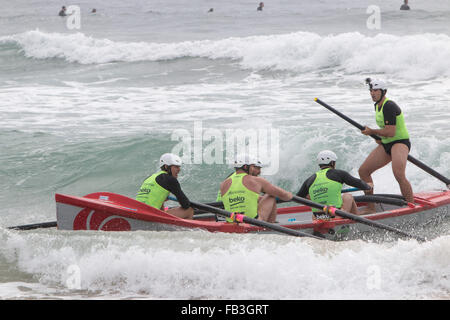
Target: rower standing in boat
<point>240,193</point>
<point>394,144</point>
<point>325,186</point>
<point>156,188</point>
<point>254,170</point>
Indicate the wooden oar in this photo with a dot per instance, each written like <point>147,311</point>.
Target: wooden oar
<point>357,218</point>
<point>50,224</point>
<point>418,163</point>
<point>255,222</point>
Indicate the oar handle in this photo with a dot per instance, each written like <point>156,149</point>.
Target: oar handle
<point>343,116</point>
<point>357,218</point>
<point>411,159</point>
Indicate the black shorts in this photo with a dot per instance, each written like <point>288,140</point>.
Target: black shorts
<point>388,146</point>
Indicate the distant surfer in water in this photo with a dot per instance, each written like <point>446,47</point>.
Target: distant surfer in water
<point>260,7</point>
<point>394,145</point>
<point>156,188</point>
<point>211,10</point>
<point>62,12</point>
<point>405,6</point>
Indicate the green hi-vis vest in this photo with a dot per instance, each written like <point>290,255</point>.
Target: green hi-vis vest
<point>400,127</point>
<point>325,191</point>
<point>152,193</point>
<point>240,199</point>
<point>219,194</point>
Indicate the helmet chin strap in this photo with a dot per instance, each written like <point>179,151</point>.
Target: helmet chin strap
<point>383,94</point>
<point>167,169</point>
<point>332,165</point>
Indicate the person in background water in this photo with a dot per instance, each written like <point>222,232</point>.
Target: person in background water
<point>325,186</point>
<point>260,7</point>
<point>211,10</point>
<point>405,6</point>
<point>394,145</point>
<point>94,10</point>
<point>62,13</point>
<point>156,188</point>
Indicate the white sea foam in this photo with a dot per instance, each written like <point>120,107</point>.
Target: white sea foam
<point>295,52</point>
<point>202,265</point>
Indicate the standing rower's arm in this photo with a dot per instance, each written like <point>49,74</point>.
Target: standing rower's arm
<point>387,131</point>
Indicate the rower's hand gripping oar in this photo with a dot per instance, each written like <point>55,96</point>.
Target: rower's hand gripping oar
<point>243,218</point>
<point>418,163</point>
<point>355,217</point>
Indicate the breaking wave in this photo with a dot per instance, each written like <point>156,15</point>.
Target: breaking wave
<point>297,52</point>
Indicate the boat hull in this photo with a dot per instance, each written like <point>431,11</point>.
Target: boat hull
<point>104,211</point>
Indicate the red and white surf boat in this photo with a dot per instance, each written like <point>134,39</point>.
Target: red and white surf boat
<point>107,211</point>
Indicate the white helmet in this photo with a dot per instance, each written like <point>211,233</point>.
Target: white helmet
<point>169,159</point>
<point>326,156</point>
<point>376,84</point>
<point>255,161</point>
<point>242,160</point>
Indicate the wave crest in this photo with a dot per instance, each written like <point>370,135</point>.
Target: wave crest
<point>422,56</point>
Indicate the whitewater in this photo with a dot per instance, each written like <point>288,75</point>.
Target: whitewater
<point>92,109</point>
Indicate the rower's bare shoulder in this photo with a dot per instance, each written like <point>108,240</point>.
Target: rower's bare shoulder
<point>258,180</point>
<point>225,183</point>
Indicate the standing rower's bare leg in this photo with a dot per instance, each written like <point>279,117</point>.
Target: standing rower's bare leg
<point>399,154</point>
<point>377,159</point>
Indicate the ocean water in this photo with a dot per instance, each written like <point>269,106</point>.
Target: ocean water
<point>92,109</point>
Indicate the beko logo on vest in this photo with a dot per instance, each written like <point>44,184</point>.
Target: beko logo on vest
<point>237,199</point>
<point>320,190</point>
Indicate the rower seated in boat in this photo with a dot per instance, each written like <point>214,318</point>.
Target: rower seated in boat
<point>156,188</point>
<point>241,193</point>
<point>254,170</point>
<point>325,186</point>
